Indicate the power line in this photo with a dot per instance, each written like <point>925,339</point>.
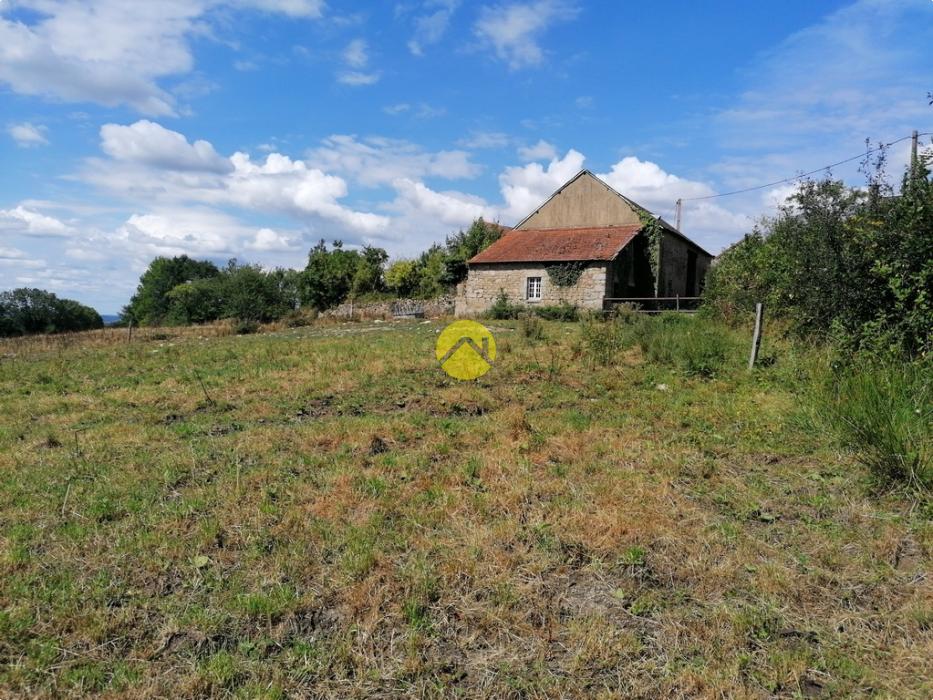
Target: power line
<point>803,175</point>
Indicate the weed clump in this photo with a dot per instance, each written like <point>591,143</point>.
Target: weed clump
<point>245,326</point>
<point>532,328</point>
<point>601,340</point>
<point>884,414</point>
<point>695,347</point>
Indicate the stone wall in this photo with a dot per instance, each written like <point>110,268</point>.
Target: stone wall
<point>479,291</point>
<point>432,308</point>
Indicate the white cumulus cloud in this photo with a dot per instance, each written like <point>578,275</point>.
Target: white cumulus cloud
<point>27,135</point>
<point>454,209</point>
<point>114,52</point>
<point>28,222</point>
<point>514,30</point>
<point>152,144</point>
<point>540,151</point>
<point>381,161</point>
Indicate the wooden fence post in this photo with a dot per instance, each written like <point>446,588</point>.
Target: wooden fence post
<point>756,338</point>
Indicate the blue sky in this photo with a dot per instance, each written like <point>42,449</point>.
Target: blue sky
<point>253,128</point>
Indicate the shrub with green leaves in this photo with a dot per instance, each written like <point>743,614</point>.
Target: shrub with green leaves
<point>560,312</point>
<point>26,311</point>
<point>503,309</point>
<point>847,264</point>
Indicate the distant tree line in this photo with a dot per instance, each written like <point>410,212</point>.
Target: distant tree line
<point>28,311</point>
<point>852,265</point>
<point>181,290</point>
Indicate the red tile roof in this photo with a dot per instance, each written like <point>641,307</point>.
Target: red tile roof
<point>559,244</point>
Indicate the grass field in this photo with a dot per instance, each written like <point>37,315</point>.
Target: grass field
<point>321,512</point>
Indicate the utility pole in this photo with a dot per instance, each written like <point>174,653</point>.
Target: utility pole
<point>913,150</point>
<point>680,206</point>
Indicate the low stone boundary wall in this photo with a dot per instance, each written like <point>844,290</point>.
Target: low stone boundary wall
<point>396,308</point>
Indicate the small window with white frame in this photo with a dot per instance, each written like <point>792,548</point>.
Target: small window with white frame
<point>533,292</point>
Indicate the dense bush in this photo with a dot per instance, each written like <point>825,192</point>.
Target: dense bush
<point>885,415</point>
<point>853,266</point>
<point>238,291</point>
<point>561,312</point>
<point>27,311</point>
<point>503,308</point>
<point>464,245</point>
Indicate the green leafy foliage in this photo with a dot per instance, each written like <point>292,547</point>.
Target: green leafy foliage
<point>150,305</point>
<point>566,274</point>
<point>503,308</point>
<point>840,263</point>
<point>653,234</point>
<point>464,245</point>
<point>562,311</point>
<point>403,278</point>
<point>250,294</point>
<point>27,311</point>
<point>239,291</point>
<point>332,276</point>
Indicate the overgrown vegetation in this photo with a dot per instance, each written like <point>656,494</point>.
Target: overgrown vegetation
<point>852,269</point>
<point>181,291</point>
<point>691,346</point>
<point>566,274</point>
<point>321,512</point>
<point>884,413</point>
<point>851,266</point>
<point>27,311</point>
<point>503,308</point>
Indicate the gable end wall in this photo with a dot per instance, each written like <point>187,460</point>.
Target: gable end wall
<point>585,202</point>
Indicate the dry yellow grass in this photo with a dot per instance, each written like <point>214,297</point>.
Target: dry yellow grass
<point>331,516</point>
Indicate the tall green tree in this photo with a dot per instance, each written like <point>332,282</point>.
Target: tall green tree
<point>402,278</point>
<point>466,244</point>
<point>28,311</point>
<point>250,294</point>
<point>331,276</point>
<point>150,304</point>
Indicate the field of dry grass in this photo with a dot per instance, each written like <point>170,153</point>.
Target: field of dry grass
<point>321,512</point>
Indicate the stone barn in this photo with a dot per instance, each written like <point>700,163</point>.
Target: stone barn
<point>586,244</point>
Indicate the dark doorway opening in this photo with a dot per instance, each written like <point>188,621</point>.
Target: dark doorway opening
<point>691,274</point>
